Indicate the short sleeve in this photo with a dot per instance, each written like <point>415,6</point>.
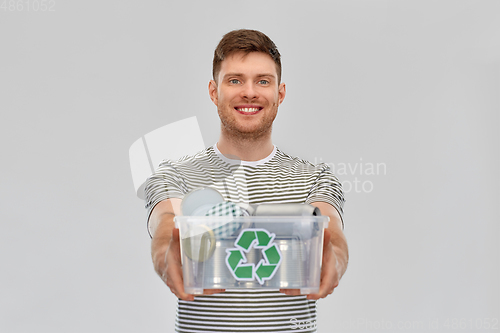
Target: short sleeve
<point>327,188</point>
<point>164,183</point>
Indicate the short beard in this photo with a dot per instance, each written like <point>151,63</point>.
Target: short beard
<point>238,135</point>
<point>235,134</point>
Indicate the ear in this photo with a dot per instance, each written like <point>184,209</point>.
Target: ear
<point>281,92</point>
<point>212,91</point>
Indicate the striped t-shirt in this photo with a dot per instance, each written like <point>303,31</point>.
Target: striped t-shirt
<point>278,178</point>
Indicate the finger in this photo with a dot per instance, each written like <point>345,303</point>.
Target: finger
<point>175,282</point>
<point>313,296</point>
<point>328,283</point>
<point>213,291</point>
<point>173,277</point>
<point>325,287</point>
<point>178,290</point>
<point>322,290</point>
<point>290,292</point>
<point>329,280</point>
<point>316,296</point>
<point>185,297</point>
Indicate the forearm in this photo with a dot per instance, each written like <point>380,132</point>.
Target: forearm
<point>341,251</point>
<point>161,240</point>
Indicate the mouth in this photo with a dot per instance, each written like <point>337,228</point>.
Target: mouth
<point>248,109</point>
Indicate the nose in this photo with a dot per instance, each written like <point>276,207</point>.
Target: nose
<point>248,91</point>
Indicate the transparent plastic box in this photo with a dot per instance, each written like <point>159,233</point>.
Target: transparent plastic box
<point>226,252</point>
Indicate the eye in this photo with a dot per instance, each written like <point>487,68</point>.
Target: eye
<point>234,81</point>
<point>263,82</point>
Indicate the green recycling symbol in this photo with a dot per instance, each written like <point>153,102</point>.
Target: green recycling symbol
<point>265,268</point>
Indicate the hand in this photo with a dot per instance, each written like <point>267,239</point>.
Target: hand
<point>170,270</point>
<point>329,272</point>
<point>330,275</point>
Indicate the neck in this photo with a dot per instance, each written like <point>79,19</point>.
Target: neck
<point>244,149</point>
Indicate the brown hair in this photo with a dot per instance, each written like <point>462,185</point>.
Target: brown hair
<point>245,41</point>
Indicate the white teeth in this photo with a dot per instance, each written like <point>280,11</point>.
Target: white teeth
<point>248,109</point>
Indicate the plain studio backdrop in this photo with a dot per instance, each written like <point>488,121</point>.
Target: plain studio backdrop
<point>401,98</point>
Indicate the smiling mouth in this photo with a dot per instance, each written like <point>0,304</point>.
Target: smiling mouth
<point>248,109</point>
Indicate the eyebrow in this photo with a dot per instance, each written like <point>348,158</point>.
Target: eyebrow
<point>258,75</point>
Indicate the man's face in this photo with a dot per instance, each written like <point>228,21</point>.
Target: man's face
<point>247,94</point>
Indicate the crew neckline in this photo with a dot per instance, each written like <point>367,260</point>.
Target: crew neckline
<point>249,163</point>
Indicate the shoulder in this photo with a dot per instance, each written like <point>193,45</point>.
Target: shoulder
<point>297,163</point>
<point>203,156</point>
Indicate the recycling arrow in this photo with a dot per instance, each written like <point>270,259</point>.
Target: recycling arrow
<point>265,269</point>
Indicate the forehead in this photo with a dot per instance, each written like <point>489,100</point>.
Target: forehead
<point>253,63</point>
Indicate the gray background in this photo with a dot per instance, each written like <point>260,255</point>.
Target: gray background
<point>411,85</point>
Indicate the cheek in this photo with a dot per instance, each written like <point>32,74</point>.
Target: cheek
<point>273,98</point>
<point>224,98</point>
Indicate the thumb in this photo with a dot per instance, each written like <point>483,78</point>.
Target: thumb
<point>174,240</point>
<point>175,234</point>
<point>327,238</point>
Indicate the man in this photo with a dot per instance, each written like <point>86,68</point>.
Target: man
<point>247,90</point>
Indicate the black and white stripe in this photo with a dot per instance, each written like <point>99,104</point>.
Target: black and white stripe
<point>246,311</point>
<point>279,178</point>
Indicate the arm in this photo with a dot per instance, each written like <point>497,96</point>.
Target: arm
<point>165,246</point>
<point>335,252</point>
